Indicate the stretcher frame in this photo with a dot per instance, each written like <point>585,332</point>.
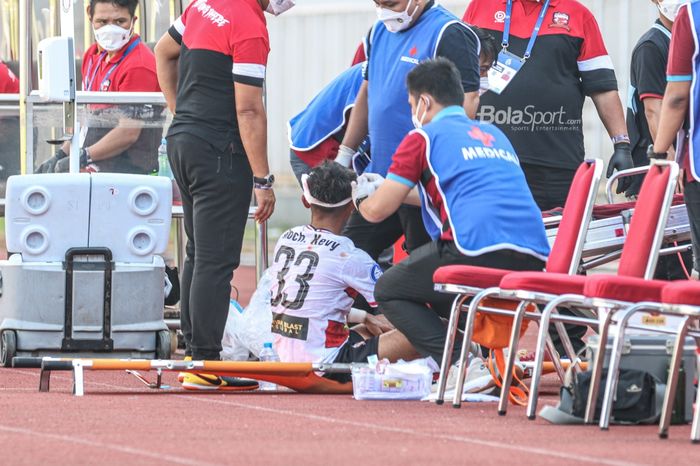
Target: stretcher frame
<point>300,377</point>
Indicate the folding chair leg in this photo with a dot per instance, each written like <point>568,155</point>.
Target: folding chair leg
<point>545,319</point>
<point>597,371</point>
<point>449,346</point>
<point>466,343</point>
<point>695,430</point>
<point>614,365</point>
<point>672,384</point>
<point>510,362</point>
<point>554,356</point>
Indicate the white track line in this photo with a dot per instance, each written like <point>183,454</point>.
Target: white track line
<point>109,446</point>
<point>399,430</point>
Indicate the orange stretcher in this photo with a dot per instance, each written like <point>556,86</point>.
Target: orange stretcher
<point>300,377</point>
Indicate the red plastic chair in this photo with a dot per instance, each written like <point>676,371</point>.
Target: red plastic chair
<point>638,260</point>
<point>467,281</point>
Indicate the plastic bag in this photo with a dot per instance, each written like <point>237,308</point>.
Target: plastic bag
<point>247,330</point>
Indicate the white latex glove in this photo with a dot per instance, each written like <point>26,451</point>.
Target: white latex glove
<point>374,179</point>
<point>361,190</point>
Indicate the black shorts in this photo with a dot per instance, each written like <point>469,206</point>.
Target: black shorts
<point>356,349</point>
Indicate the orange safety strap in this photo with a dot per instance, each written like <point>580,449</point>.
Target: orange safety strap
<point>497,365</point>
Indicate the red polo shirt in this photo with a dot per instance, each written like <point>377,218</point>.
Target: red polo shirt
<point>9,83</point>
<point>133,72</point>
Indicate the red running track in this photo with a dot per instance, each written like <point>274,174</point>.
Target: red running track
<point>120,421</point>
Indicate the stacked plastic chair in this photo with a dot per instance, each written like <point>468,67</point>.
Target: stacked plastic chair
<point>466,281</point>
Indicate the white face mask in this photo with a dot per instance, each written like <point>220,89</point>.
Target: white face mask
<point>277,7</point>
<point>112,37</point>
<point>418,121</point>
<point>483,85</point>
<point>669,8</point>
<point>395,21</point>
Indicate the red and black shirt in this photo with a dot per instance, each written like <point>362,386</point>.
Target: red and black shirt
<point>131,69</point>
<point>647,81</point>
<point>223,41</point>
<point>541,110</point>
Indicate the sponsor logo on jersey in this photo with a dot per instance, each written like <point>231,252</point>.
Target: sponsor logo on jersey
<point>375,273</point>
<point>290,326</point>
<point>560,20</point>
<point>499,17</point>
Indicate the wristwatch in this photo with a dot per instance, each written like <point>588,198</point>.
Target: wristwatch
<point>265,182</point>
<point>655,155</point>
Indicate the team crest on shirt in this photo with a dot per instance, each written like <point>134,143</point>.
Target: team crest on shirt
<point>499,17</point>
<point>560,20</point>
<point>104,87</point>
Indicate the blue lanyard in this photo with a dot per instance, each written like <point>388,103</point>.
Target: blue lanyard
<point>88,84</point>
<point>533,38</point>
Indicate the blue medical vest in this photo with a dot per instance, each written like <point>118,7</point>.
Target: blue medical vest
<point>478,175</point>
<point>391,57</point>
<point>325,115</point>
<point>694,149</point>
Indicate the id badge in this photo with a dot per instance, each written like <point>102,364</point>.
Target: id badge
<point>503,71</point>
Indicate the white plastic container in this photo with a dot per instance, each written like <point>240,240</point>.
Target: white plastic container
<point>46,214</point>
<point>406,381</point>
<point>130,215</point>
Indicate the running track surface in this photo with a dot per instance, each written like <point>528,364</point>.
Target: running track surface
<point>120,421</point>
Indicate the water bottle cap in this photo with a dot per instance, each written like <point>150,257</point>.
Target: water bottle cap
<point>163,141</point>
<point>267,345</point>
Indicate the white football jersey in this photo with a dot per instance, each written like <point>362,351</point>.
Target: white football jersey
<point>316,275</point>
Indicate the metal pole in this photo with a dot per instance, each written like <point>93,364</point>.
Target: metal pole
<point>25,78</point>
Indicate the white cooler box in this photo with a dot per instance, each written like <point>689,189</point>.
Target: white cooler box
<point>85,278</point>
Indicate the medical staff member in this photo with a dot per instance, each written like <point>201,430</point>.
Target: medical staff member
<point>406,33</point>
<point>315,132</point>
<point>552,57</point>
<point>648,84</point>
<point>460,167</point>
<point>211,66</point>
<point>119,61</point>
<point>679,109</point>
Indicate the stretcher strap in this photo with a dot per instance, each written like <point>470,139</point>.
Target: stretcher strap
<point>518,390</point>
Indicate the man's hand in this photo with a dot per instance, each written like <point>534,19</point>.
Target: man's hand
<point>374,179</point>
<point>376,325</point>
<point>361,190</point>
<point>49,165</point>
<point>621,160</point>
<point>265,199</point>
<point>345,156</point>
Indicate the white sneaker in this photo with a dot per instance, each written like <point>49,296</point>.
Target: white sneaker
<point>478,379</point>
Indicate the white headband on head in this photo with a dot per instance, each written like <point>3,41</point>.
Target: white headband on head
<point>312,200</point>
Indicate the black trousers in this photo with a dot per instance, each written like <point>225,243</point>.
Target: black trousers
<point>216,189</point>
<point>373,238</point>
<point>549,185</point>
<point>406,296</point>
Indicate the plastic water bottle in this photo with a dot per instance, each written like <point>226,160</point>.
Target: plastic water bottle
<point>163,162</point>
<point>268,354</point>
